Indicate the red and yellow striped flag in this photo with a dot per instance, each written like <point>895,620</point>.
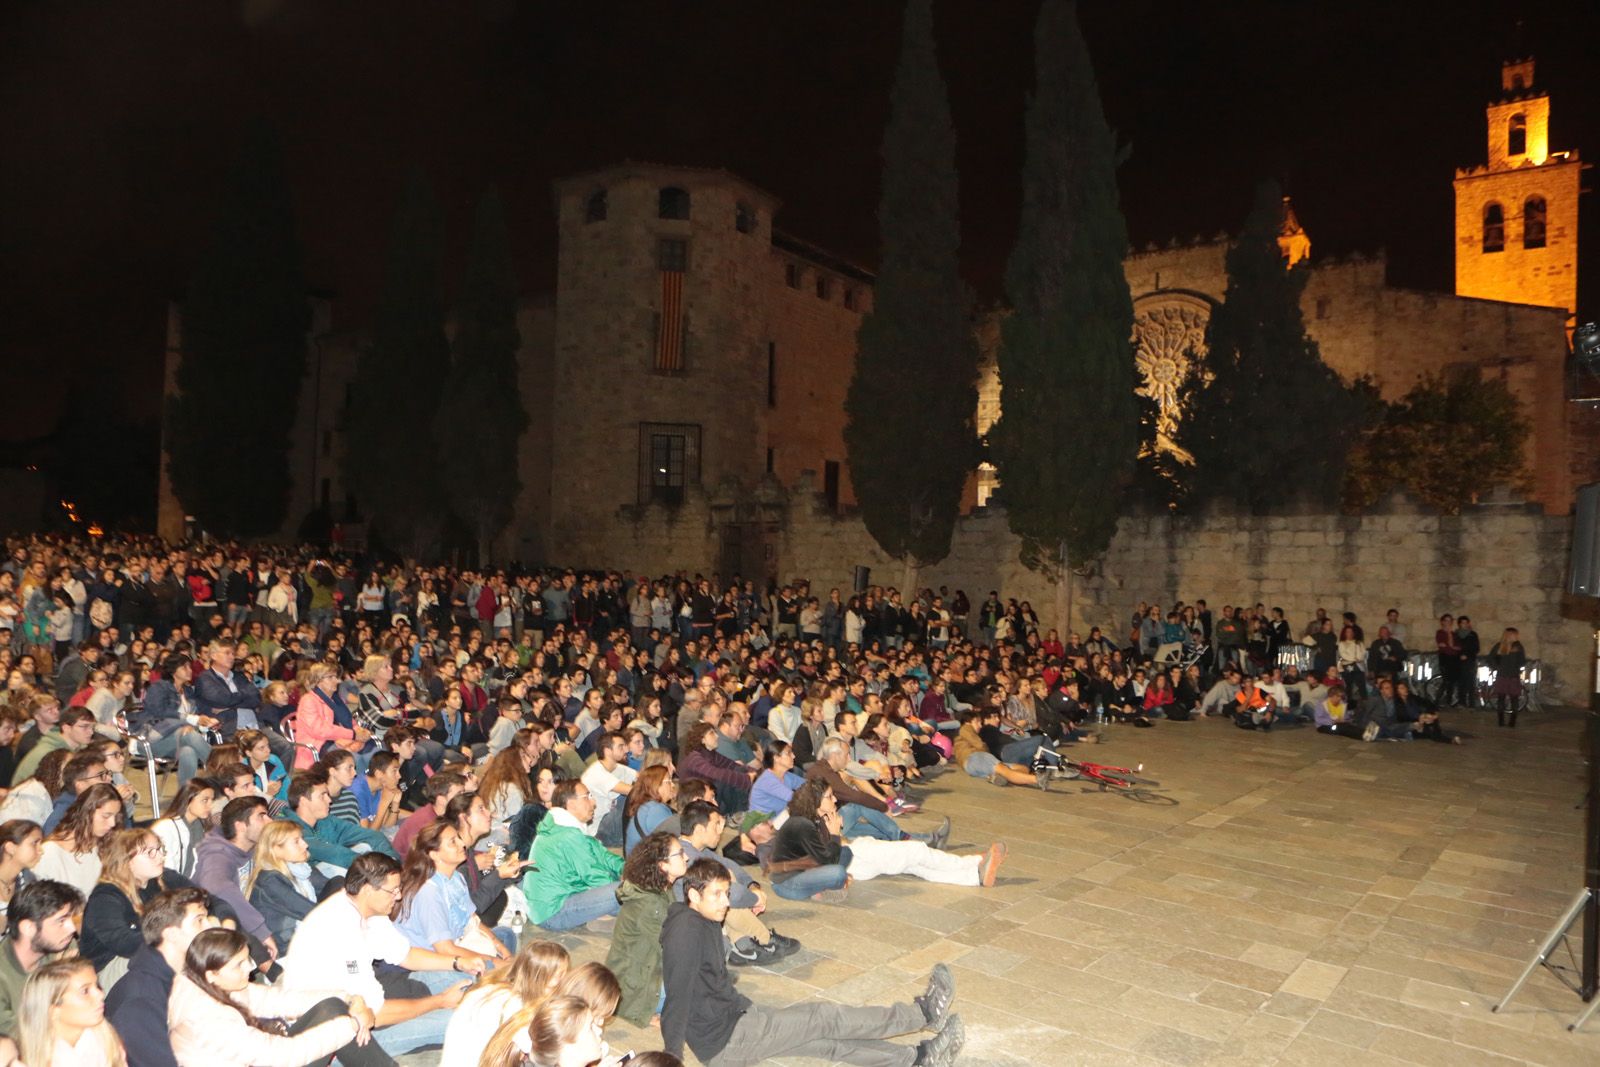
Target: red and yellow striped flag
<point>669,335</point>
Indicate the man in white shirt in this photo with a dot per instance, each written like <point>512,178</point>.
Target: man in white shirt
<point>335,946</point>
<point>609,779</point>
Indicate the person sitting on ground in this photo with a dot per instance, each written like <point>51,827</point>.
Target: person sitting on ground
<point>440,790</point>
<point>645,894</point>
<point>435,908</point>
<point>609,780</point>
<point>72,853</point>
<point>216,1015</point>
<point>61,1019</point>
<point>333,844</point>
<point>771,791</point>
<point>137,1005</point>
<point>1333,715</point>
<point>34,798</point>
<point>342,775</point>
<point>283,885</point>
<point>255,750</point>
<point>185,822</point>
<point>972,754</point>
<point>649,804</point>
<point>702,760</point>
<point>132,874</point>
<point>562,1031</point>
<point>1252,708</point>
<point>74,733</point>
<point>226,857</point>
<point>21,842</point>
<point>84,770</point>
<point>725,1029</point>
<point>377,794</point>
<point>41,926</point>
<point>574,877</point>
<point>487,881</point>
<point>864,813</point>
<point>1380,716</point>
<point>503,994</point>
<point>1223,695</point>
<point>337,943</point>
<point>702,826</point>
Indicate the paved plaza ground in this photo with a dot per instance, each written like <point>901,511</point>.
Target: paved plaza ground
<point>1308,900</point>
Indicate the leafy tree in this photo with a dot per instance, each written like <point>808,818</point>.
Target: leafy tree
<point>237,388</point>
<point>481,417</point>
<point>1449,440</point>
<point>1266,418</point>
<point>390,454</point>
<point>909,433</point>
<point>1069,421</point>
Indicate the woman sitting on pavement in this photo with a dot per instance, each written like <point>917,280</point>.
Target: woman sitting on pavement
<point>435,909</point>
<point>500,996</point>
<point>646,892</point>
<point>649,804</point>
<point>283,884</point>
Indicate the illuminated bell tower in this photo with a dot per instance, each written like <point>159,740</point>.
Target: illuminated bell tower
<point>1517,217</point>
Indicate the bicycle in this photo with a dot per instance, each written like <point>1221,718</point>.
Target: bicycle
<point>1124,781</point>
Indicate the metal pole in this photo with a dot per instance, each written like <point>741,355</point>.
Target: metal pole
<point>1591,864</point>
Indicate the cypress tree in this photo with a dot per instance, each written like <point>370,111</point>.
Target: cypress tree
<point>390,455</point>
<point>1263,372</point>
<point>481,417</point>
<point>909,433</point>
<point>237,389</point>
<point>1069,422</point>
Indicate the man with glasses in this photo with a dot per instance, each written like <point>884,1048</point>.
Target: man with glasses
<point>575,877</point>
<point>83,770</point>
<point>336,944</point>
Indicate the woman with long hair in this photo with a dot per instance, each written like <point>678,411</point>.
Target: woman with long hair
<point>645,894</point>
<point>72,853</point>
<point>561,1032</point>
<point>649,804</point>
<point>219,1018</point>
<point>185,822</point>
<point>595,985</point>
<point>20,844</point>
<point>776,784</point>
<point>283,885</point>
<point>505,786</point>
<point>500,995</point>
<point>255,752</point>
<point>435,909</point>
<point>132,873</point>
<point>34,798</point>
<point>1352,663</point>
<point>61,1019</point>
<point>1508,657</point>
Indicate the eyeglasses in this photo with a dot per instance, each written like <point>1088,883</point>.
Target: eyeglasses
<point>153,850</point>
<point>101,776</point>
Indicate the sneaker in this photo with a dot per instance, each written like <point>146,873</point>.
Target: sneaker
<point>936,1000</point>
<point>990,865</point>
<point>902,806</point>
<point>997,780</point>
<point>746,954</point>
<point>1370,733</point>
<point>942,1048</point>
<point>786,946</point>
<point>831,896</point>
<point>941,836</point>
<point>603,925</point>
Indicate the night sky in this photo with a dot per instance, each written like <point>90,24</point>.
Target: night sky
<point>120,119</point>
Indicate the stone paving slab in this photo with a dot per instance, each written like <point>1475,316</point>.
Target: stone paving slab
<point>1308,901</point>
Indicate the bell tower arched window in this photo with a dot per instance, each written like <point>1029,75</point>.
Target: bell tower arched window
<point>1494,228</point>
<point>1533,222</point>
<point>1517,136</point>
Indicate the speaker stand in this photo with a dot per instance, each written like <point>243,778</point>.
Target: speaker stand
<point>1557,938</point>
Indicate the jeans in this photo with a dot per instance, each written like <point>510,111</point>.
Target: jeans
<point>372,1054</point>
<point>583,907</point>
<point>830,1032</point>
<point>803,885</point>
<point>1022,750</point>
<point>862,821</point>
<point>191,749</point>
<point>427,1028</point>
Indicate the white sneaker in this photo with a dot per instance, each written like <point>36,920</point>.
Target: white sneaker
<point>1370,733</point>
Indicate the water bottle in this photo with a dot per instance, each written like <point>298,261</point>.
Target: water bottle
<point>1099,714</point>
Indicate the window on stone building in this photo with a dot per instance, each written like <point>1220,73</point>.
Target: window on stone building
<point>850,297</point>
<point>824,287</point>
<point>672,203</point>
<point>669,461</point>
<point>1533,222</point>
<point>791,275</point>
<point>594,209</point>
<point>772,459</point>
<point>1517,136</point>
<point>1494,228</point>
<point>772,374</point>
<point>744,217</point>
<point>830,483</point>
<point>672,254</point>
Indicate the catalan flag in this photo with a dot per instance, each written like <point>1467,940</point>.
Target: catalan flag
<point>669,329</point>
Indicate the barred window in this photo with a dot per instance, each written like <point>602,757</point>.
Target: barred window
<point>669,461</point>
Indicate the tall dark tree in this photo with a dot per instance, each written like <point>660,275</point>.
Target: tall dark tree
<point>481,417</point>
<point>1266,419</point>
<point>390,453</point>
<point>909,432</point>
<point>1069,421</point>
<point>237,388</point>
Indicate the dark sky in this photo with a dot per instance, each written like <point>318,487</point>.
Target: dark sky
<point>120,118</point>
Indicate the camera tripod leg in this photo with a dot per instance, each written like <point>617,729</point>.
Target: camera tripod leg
<point>1548,946</point>
<point>1587,1012</point>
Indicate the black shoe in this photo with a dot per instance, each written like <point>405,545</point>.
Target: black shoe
<point>785,946</point>
<point>941,993</point>
<point>749,955</point>
<point>941,836</point>
<point>942,1048</point>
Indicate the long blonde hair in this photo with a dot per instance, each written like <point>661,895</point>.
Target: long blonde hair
<point>36,1027</point>
<point>545,1027</point>
<point>273,834</point>
<point>116,862</point>
<point>538,968</point>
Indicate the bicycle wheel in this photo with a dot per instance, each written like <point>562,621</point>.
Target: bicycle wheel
<point>1114,779</point>
<point>1066,772</point>
<point>1145,796</point>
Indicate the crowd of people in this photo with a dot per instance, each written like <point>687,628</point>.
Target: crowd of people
<point>389,779</point>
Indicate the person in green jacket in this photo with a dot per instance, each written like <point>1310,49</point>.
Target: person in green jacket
<point>635,957</point>
<point>574,880</point>
<point>330,841</point>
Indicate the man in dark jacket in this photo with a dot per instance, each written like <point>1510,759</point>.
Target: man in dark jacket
<point>137,1003</point>
<point>1386,657</point>
<point>224,854</point>
<point>704,1011</point>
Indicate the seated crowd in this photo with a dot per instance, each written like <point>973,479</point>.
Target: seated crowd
<point>383,777</point>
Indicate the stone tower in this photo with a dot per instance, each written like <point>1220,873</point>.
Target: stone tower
<point>660,362</point>
<point>1517,217</point>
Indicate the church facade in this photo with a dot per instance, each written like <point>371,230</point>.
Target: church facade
<point>692,349</point>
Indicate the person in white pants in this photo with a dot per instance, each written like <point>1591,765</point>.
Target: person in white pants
<point>871,858</point>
